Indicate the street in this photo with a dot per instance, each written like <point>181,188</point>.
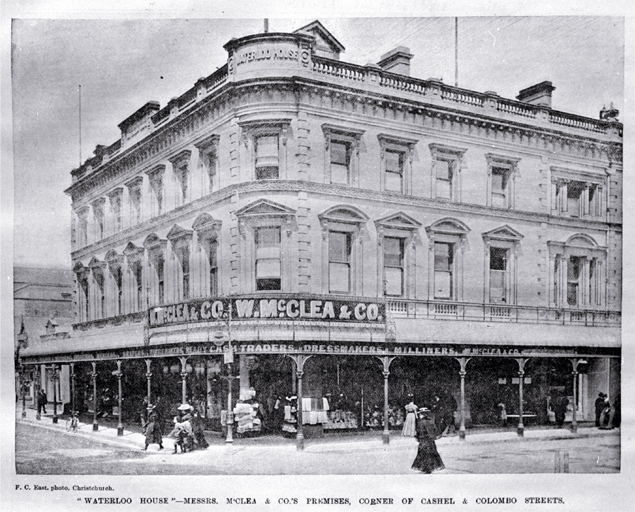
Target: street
<point>47,451</point>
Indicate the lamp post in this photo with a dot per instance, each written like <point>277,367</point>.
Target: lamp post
<point>462,373</point>
<point>73,376</point>
<point>229,359</point>
<point>119,374</point>
<point>55,379</point>
<point>94,377</point>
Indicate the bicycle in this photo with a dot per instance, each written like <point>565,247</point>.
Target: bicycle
<point>72,423</point>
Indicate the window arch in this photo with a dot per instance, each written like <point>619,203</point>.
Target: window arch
<point>501,269</point>
<point>82,275</point>
<point>577,272</point>
<point>181,241</point>
<point>98,288</point>
<point>207,231</point>
<point>134,259</point>
<point>156,247</point>
<point>342,249</point>
<point>397,236</point>
<point>115,283</point>
<point>265,229</point>
<point>447,241</point>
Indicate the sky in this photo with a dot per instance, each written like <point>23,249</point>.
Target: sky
<point>123,63</point>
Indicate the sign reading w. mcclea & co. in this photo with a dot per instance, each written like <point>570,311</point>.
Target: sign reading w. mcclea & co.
<point>210,310</point>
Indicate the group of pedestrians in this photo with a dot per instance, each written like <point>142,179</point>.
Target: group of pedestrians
<point>427,427</point>
<point>188,431</point>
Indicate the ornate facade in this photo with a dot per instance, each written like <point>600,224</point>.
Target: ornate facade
<point>324,220</point>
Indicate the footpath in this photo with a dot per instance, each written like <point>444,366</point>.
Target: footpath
<point>133,438</point>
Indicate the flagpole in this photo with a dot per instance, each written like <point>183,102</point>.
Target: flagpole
<point>80,125</point>
<point>456,52</point>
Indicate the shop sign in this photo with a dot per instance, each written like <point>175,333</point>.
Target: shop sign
<point>268,309</point>
<point>274,53</point>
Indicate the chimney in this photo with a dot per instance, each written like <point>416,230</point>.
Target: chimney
<point>539,94</point>
<point>397,61</point>
<point>609,114</point>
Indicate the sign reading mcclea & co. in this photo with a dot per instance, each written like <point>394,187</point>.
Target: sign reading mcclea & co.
<point>206,310</point>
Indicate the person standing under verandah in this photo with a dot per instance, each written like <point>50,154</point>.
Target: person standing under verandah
<point>409,426</point>
<point>42,400</point>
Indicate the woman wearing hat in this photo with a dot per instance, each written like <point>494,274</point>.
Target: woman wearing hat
<point>153,428</point>
<point>428,458</point>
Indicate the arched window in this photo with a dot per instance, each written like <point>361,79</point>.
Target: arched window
<point>156,255</point>
<point>501,269</point>
<point>207,233</point>
<point>446,246</point>
<point>134,258</point>
<point>265,229</point>
<point>181,240</point>
<point>396,240</point>
<point>577,273</point>
<point>342,253</point>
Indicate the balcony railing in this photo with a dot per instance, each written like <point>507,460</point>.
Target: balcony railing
<point>474,312</point>
<point>453,95</point>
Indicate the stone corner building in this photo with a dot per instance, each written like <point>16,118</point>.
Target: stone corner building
<point>351,233</point>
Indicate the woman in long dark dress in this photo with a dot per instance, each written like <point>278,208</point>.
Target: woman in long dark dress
<point>428,458</point>
<point>153,429</point>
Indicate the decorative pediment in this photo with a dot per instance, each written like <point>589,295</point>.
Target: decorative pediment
<point>323,38</point>
<point>579,244</point>
<point>205,225</point>
<point>180,158</point>
<point>156,171</point>
<point>132,250</point>
<point>264,207</point>
<point>112,258</point>
<point>582,240</point>
<point>207,143</point>
<point>398,221</point>
<point>178,232</point>
<point>504,233</point>
<point>79,268</point>
<point>344,213</point>
<point>448,226</point>
<point>95,264</point>
<point>133,253</point>
<point>154,243</point>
